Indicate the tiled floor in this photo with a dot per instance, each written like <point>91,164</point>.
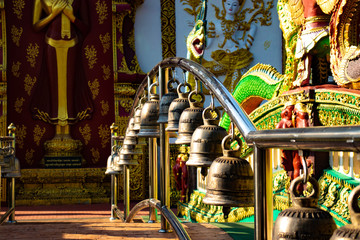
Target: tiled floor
<point>92,222</point>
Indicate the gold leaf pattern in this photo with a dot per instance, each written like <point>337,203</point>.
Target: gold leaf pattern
<point>29,156</point>
<point>131,40</point>
<point>104,107</point>
<point>90,54</point>
<point>18,6</point>
<point>104,134</point>
<point>32,52</point>
<point>107,72</point>
<point>101,9</point>
<point>38,134</point>
<point>19,104</point>
<point>95,154</point>
<point>29,83</point>
<point>94,88</point>
<point>105,41</point>
<point>15,69</point>
<point>20,135</point>
<point>86,133</point>
<point>126,103</point>
<point>16,34</point>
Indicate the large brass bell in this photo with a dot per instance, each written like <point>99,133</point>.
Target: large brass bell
<point>231,180</point>
<point>190,119</point>
<point>177,106</point>
<point>304,220</point>
<point>126,159</point>
<point>206,140</point>
<point>351,231</point>
<point>149,116</point>
<point>166,100</point>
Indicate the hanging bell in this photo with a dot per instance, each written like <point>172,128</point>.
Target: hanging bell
<point>351,231</point>
<point>12,170</point>
<point>206,140</point>
<point>304,220</point>
<point>231,180</point>
<point>190,119</point>
<point>126,159</point>
<point>130,131</point>
<point>137,118</point>
<point>111,168</point>
<point>166,100</point>
<point>130,149</point>
<point>130,140</point>
<point>149,116</point>
<point>177,107</point>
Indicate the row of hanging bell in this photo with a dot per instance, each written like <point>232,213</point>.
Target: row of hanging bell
<point>304,220</point>
<point>166,100</point>
<point>231,179</point>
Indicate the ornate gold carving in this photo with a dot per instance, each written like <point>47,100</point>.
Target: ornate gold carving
<point>29,83</point>
<point>105,41</point>
<point>94,88</point>
<point>15,69</point>
<point>104,107</point>
<point>101,9</point>
<point>86,133</point>
<point>62,147</point>
<point>131,40</point>
<point>32,52</point>
<point>19,104</point>
<point>124,90</point>
<point>20,135</point>
<point>126,103</point>
<point>122,122</point>
<point>90,54</point>
<point>106,71</point>
<point>38,134</point>
<point>194,7</point>
<point>16,34</point>
<point>95,155</point>
<point>18,6</point>
<point>29,156</point>
<point>104,133</point>
<point>168,32</point>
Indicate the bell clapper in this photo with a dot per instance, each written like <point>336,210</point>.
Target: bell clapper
<point>226,211</point>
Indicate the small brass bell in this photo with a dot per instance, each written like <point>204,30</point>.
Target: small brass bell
<point>166,100</point>
<point>130,131</point>
<point>149,116</point>
<point>137,114</point>
<point>111,168</point>
<point>130,140</point>
<point>231,180</point>
<point>126,159</point>
<point>177,106</point>
<point>190,119</point>
<point>129,149</point>
<point>351,231</point>
<point>304,220</point>
<point>206,140</point>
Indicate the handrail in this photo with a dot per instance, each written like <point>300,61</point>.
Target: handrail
<point>168,214</point>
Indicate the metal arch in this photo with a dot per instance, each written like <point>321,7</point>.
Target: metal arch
<point>165,211</point>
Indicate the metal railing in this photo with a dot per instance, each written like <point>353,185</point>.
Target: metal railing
<point>312,138</point>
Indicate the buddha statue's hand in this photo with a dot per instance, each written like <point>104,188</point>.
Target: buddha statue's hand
<point>57,7</point>
<point>68,11</point>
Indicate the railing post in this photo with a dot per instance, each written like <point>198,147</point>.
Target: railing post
<point>164,155</point>
<point>114,178</point>
<point>126,191</point>
<point>12,130</point>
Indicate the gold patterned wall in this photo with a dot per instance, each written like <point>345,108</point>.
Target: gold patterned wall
<point>3,66</point>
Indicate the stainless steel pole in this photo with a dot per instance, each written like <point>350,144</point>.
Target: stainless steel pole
<point>12,201</point>
<point>164,167</point>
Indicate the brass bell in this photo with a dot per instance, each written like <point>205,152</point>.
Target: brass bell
<point>149,116</point>
<point>130,131</point>
<point>351,231</point>
<point>130,149</point>
<point>190,119</point>
<point>177,107</point>
<point>137,114</point>
<point>13,168</point>
<point>126,159</point>
<point>166,100</point>
<point>231,180</point>
<point>206,140</point>
<point>130,140</point>
<point>111,168</point>
<point>304,220</point>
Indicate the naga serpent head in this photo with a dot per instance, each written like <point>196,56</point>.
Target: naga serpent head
<point>196,40</point>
